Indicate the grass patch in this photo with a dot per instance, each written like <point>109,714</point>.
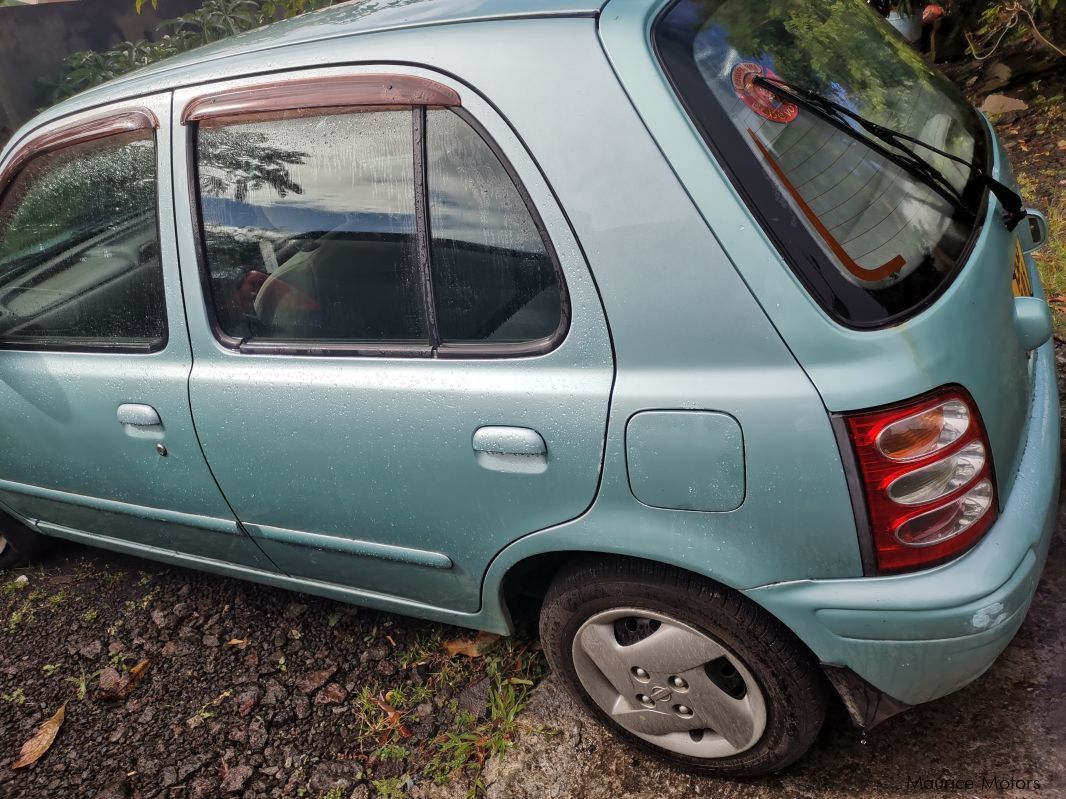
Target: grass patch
<point>390,787</point>
<point>81,683</point>
<point>471,742</point>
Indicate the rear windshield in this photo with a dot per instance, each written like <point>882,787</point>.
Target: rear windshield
<point>870,241</point>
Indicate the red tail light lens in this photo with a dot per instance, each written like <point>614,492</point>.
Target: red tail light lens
<point>926,471</point>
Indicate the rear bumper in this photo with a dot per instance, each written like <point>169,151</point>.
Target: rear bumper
<point>917,637</point>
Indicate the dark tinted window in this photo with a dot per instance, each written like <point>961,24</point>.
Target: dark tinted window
<point>309,228</point>
<point>79,248</point>
<point>869,240</point>
<point>493,278</point>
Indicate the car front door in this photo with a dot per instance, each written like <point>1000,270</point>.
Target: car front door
<point>401,363</point>
<point>96,434</point>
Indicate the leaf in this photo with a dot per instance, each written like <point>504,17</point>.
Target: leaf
<point>113,689</point>
<point>138,671</point>
<point>34,749</point>
<point>393,716</point>
<point>471,647</point>
<point>241,643</point>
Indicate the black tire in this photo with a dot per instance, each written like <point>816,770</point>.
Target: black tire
<point>793,687</point>
<point>21,545</point>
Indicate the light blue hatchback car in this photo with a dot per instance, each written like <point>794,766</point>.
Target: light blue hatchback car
<point>705,328</point>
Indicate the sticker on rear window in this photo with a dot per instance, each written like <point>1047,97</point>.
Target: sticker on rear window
<point>760,100</point>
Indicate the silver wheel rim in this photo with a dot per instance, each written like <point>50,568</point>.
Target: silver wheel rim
<point>3,543</point>
<point>672,685</point>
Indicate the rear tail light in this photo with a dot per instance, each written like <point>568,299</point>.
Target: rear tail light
<point>926,472</point>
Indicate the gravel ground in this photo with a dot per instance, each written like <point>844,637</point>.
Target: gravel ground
<point>249,691</point>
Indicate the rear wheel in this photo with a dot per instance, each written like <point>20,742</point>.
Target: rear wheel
<point>682,667</point>
<point>19,544</point>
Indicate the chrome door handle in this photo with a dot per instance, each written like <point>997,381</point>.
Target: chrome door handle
<point>139,415</point>
<point>510,449</point>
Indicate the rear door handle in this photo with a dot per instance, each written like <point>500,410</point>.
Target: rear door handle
<point>140,421</point>
<point>510,449</point>
<point>138,415</point>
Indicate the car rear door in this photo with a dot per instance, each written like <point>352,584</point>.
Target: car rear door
<point>401,365</point>
<point>96,434</point>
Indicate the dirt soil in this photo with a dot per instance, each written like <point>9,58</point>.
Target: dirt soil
<point>1035,136</point>
<point>258,692</point>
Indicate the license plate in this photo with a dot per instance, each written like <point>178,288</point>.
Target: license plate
<point>1020,281</point>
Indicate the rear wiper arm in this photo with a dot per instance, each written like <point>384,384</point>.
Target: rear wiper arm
<point>899,154</point>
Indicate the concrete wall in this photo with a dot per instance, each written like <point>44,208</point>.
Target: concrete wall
<point>34,40</point>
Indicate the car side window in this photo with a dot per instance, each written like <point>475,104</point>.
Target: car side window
<point>79,248</point>
<point>369,229</point>
<point>309,227</point>
<point>493,278</point>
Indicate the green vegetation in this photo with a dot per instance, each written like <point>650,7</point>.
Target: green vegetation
<point>25,611</point>
<point>81,683</point>
<point>1052,263</point>
<point>17,697</point>
<point>466,747</point>
<point>391,752</point>
<point>11,586</point>
<point>390,787</point>
<point>214,20</point>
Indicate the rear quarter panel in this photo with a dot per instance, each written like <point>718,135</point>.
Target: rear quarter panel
<point>966,337</point>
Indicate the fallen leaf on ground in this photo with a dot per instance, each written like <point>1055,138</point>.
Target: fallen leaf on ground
<point>471,647</point>
<point>238,642</point>
<point>35,747</point>
<point>120,688</point>
<point>394,717</point>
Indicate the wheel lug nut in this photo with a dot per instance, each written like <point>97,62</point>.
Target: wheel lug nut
<point>640,674</point>
<point>683,711</point>
<point>678,683</point>
<point>645,700</point>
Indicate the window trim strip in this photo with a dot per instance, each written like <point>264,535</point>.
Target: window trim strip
<point>79,131</point>
<point>320,93</point>
<point>423,235</point>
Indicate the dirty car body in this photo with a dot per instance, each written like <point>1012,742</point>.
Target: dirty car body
<point>419,306</point>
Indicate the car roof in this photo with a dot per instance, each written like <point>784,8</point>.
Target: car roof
<point>357,17</point>
<point>342,20</point>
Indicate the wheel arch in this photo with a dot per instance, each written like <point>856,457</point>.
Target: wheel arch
<point>517,588</point>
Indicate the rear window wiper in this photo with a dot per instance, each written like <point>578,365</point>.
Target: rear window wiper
<point>892,145</point>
